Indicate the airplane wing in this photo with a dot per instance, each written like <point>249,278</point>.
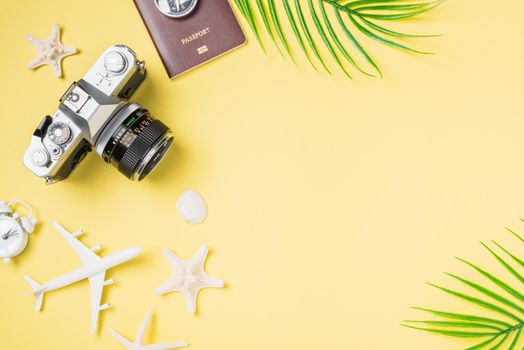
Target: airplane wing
<point>96,283</point>
<point>86,255</point>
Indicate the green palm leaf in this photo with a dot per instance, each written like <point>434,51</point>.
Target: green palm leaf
<point>327,19</point>
<point>503,331</point>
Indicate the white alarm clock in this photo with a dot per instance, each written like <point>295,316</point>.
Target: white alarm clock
<point>14,229</point>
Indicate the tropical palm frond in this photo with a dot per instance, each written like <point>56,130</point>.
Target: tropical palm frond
<point>502,329</point>
<point>335,23</point>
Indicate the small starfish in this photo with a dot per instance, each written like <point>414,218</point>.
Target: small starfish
<point>137,345</point>
<point>50,51</point>
<point>188,277</point>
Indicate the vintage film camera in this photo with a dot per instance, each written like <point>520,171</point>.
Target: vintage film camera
<point>95,112</point>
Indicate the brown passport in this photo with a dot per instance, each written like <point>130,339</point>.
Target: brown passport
<point>211,30</point>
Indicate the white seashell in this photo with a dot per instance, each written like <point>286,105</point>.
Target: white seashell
<point>191,207</point>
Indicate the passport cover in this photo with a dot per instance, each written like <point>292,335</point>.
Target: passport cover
<point>185,43</point>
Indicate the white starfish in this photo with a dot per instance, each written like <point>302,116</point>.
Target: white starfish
<point>137,345</point>
<point>189,277</point>
<point>50,51</point>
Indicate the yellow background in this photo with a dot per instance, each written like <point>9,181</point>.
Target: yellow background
<point>331,201</point>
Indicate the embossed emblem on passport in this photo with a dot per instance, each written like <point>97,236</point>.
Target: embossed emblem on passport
<point>176,8</point>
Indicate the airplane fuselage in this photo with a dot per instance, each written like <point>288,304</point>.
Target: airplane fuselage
<point>90,270</point>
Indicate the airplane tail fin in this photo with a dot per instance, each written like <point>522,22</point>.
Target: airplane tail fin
<point>38,291</point>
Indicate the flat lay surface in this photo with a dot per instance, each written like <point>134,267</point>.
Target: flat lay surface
<point>330,201</point>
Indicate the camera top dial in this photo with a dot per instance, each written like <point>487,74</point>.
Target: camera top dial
<point>59,133</point>
<point>115,63</point>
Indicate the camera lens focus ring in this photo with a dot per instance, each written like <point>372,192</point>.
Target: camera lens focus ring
<point>144,142</point>
<point>135,143</point>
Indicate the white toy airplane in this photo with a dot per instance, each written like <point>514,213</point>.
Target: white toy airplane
<point>137,345</point>
<point>94,268</point>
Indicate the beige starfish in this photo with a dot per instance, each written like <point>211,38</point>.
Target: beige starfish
<point>137,344</point>
<point>189,277</point>
<point>50,51</point>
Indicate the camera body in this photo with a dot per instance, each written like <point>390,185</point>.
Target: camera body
<point>95,113</point>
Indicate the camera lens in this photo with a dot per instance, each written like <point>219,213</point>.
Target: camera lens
<point>136,144</point>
